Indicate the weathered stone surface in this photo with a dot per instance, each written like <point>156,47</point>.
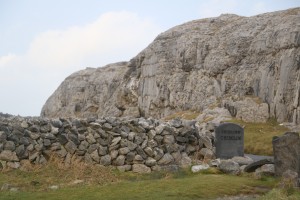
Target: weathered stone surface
<point>229,166</point>
<point>242,160</point>
<point>265,170</point>
<point>8,155</point>
<point>185,161</point>
<point>254,165</point>
<point>250,109</point>
<point>138,159</point>
<point>63,139</point>
<point>140,168</point>
<point>166,159</point>
<point>9,145</point>
<point>114,154</point>
<point>207,153</point>
<point>124,150</point>
<point>62,152</point>
<point>90,139</point>
<point>130,157</point>
<point>198,168</point>
<point>20,151</point>
<point>141,152</point>
<point>13,165</point>
<point>190,66</point>
<point>120,160</point>
<point>95,156</point>
<point>124,168</point>
<point>290,178</point>
<point>286,153</point>
<point>102,150</point>
<point>105,160</point>
<point>92,148</point>
<point>115,141</point>
<point>70,147</point>
<point>150,162</point>
<point>169,139</point>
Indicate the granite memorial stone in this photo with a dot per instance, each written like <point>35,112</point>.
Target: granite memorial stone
<point>229,141</point>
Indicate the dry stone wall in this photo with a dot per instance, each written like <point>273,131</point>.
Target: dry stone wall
<point>136,144</point>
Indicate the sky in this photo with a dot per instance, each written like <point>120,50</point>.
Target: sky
<point>44,41</point>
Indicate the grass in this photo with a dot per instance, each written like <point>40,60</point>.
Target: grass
<point>188,115</point>
<point>281,194</point>
<point>39,178</point>
<point>157,185</point>
<point>258,136</point>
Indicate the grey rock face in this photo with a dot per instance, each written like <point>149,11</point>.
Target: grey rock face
<point>193,65</point>
<point>286,153</point>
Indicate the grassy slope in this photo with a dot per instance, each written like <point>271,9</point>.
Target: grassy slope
<point>258,136</point>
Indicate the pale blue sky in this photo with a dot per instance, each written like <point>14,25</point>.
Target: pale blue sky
<point>44,41</point>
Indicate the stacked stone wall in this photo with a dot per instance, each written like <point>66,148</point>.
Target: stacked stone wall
<point>139,144</point>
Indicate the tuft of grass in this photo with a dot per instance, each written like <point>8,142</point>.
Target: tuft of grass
<point>188,115</point>
<point>258,136</point>
<point>211,170</point>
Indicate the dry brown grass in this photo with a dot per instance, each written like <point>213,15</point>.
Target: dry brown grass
<point>188,115</point>
<point>258,136</point>
<point>56,172</point>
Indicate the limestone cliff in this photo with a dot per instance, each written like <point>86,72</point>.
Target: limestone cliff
<point>207,62</point>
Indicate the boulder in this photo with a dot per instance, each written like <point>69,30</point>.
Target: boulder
<point>95,156</point>
<point>124,168</point>
<point>120,160</point>
<point>254,165</point>
<point>105,160</point>
<point>286,150</point>
<point>207,153</point>
<point>290,179</point>
<point>8,155</point>
<point>70,147</point>
<point>166,159</point>
<point>198,168</point>
<point>9,145</point>
<point>242,160</point>
<point>124,150</point>
<point>140,168</point>
<point>229,167</point>
<point>150,162</point>
<point>265,170</point>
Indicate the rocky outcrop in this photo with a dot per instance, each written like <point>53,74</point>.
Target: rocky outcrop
<point>203,63</point>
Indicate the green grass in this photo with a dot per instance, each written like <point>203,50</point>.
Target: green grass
<point>161,185</point>
<point>258,136</point>
<point>281,194</point>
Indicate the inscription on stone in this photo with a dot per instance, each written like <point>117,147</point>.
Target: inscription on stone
<point>229,140</point>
